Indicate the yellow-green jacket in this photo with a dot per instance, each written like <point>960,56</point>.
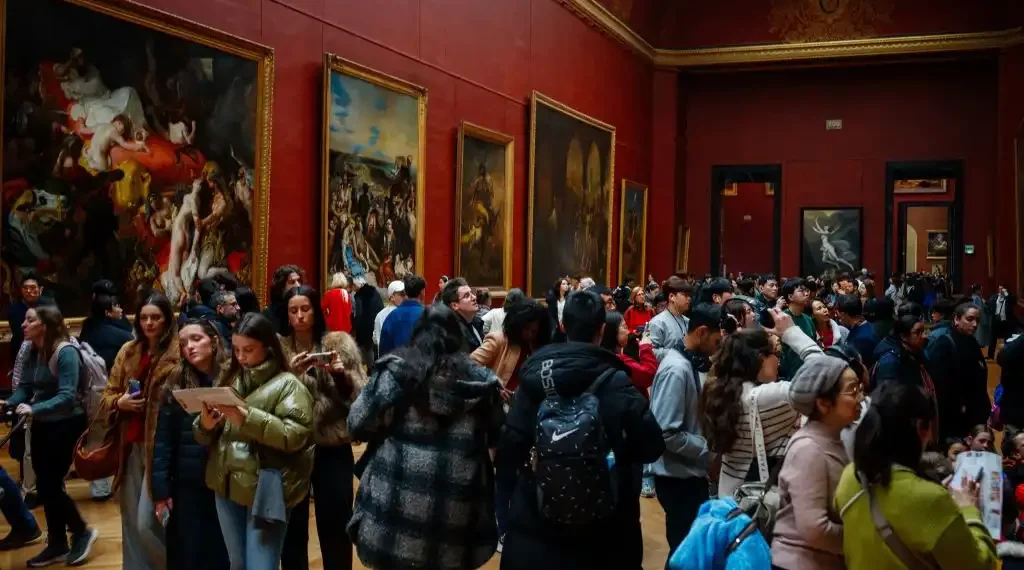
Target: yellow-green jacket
<point>922,514</point>
<point>276,434</point>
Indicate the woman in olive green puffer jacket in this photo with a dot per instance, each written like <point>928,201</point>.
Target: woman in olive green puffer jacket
<point>272,431</point>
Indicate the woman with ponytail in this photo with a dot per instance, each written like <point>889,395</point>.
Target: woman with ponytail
<point>937,527</point>
<point>431,416</point>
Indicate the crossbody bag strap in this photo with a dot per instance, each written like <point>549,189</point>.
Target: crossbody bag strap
<point>761,454</point>
<point>908,557</point>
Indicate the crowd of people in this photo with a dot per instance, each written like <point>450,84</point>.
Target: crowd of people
<point>533,429</point>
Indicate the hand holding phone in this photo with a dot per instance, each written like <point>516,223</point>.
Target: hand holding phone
<point>134,386</point>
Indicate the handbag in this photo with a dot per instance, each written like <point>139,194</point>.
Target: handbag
<point>98,460</point>
<point>760,499</point>
<point>908,557</point>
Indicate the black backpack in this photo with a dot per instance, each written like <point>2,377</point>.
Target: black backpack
<point>576,484</point>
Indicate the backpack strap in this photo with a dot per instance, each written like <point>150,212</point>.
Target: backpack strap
<point>908,557</point>
<point>597,384</point>
<point>53,365</point>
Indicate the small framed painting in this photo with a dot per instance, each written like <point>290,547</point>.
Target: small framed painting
<point>938,244</point>
<point>830,241</point>
<point>920,186</point>
<point>632,231</point>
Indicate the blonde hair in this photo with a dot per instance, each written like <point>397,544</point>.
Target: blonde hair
<point>338,281</point>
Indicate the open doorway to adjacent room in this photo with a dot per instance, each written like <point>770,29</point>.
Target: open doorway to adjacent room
<point>924,205</point>
<point>746,212</point>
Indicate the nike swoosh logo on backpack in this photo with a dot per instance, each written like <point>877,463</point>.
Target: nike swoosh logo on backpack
<point>560,436</point>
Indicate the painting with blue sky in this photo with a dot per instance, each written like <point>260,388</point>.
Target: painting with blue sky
<point>373,136</point>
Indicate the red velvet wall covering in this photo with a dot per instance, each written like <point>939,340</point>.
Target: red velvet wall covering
<point>479,62</point>
<point>920,111</point>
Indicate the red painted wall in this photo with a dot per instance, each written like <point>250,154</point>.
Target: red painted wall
<point>920,111</point>
<point>742,22</point>
<point>748,221</point>
<point>479,62</point>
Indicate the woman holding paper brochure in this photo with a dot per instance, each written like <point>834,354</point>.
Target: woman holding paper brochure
<point>184,503</point>
<point>130,402</point>
<point>261,454</point>
<point>334,379</point>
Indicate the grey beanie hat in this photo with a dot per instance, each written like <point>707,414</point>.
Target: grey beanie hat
<point>817,376</point>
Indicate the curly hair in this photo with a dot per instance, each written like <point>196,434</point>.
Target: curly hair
<point>737,361</point>
<point>186,375</point>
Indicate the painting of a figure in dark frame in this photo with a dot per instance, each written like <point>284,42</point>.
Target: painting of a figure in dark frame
<point>131,153</point>
<point>572,168</point>
<point>830,241</point>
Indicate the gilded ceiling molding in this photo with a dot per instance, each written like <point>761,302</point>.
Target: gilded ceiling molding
<point>601,18</point>
<point>592,12</point>
<point>840,49</point>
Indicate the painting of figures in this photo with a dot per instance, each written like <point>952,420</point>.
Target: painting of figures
<point>830,241</point>
<point>938,244</point>
<point>632,232</point>
<point>572,168</point>
<point>484,204</point>
<point>373,153</point>
<point>130,154</point>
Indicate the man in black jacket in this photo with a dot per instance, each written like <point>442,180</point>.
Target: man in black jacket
<point>367,302</point>
<point>458,296</point>
<point>957,366</point>
<point>634,435</point>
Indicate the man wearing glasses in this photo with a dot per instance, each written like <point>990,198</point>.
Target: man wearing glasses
<point>31,297</point>
<point>797,298</point>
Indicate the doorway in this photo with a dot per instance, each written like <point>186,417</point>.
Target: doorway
<point>924,219</point>
<point>746,212</point>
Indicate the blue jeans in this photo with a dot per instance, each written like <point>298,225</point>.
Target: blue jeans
<point>251,545</point>
<point>13,507</point>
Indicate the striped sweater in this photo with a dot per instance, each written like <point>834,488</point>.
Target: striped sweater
<point>779,420</point>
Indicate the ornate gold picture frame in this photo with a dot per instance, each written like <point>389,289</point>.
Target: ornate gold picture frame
<point>633,232</point>
<point>170,141</point>
<point>572,193</point>
<point>373,173</point>
<point>484,206</point>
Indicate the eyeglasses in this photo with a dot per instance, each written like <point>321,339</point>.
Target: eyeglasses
<point>854,391</point>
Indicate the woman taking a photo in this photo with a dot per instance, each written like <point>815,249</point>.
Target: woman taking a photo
<point>643,367</point>
<point>258,449</point>
<point>48,394</point>
<point>942,526</point>
<point>194,540</point>
<point>639,313</point>
<point>524,330</point>
<point>745,370</point>
<point>131,402</point>
<point>334,382</point>
<point>808,533</point>
<point>436,415</point>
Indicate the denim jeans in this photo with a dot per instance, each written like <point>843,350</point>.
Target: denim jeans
<point>143,541</point>
<point>13,507</point>
<point>251,544</point>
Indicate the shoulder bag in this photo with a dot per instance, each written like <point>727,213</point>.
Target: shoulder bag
<point>760,499</point>
<point>908,557</point>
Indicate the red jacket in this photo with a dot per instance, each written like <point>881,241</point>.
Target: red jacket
<point>637,317</point>
<point>337,305</point>
<point>641,372</point>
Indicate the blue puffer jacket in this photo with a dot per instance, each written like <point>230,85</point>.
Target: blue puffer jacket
<point>712,532</point>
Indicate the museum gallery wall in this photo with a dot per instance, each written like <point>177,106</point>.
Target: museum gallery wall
<point>143,159</point>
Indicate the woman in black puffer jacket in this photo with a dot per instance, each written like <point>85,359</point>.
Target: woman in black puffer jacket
<point>180,495</point>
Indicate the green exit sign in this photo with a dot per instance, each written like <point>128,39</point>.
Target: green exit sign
<point>969,249</point>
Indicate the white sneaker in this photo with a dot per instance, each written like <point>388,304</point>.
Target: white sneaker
<point>501,543</point>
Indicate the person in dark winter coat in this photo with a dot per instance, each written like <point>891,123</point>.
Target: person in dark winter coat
<point>367,303</point>
<point>181,498</point>
<point>103,330</point>
<point>1011,360</point>
<point>532,543</point>
<point>431,415</point>
<point>958,367</point>
<point>899,358</point>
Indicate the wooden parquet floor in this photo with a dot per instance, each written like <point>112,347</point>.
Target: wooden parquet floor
<point>106,517</point>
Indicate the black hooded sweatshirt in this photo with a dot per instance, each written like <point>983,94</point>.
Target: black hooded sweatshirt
<point>635,438</point>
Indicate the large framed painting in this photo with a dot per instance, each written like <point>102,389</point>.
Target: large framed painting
<point>484,190</point>
<point>136,148</point>
<point>938,244</point>
<point>1018,145</point>
<point>633,232</point>
<point>830,241</point>
<point>572,169</point>
<point>373,173</point>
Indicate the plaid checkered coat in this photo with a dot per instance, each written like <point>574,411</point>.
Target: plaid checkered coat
<point>426,498</point>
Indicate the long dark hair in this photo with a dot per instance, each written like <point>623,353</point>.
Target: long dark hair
<point>721,407</point>
<point>319,321</point>
<point>56,329</point>
<point>888,433</point>
<point>610,338</point>
<point>435,350</point>
<point>280,281</point>
<point>258,328</point>
<point>187,375</point>
<point>161,302</point>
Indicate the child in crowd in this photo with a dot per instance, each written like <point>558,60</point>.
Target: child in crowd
<point>982,438</point>
<point>1011,548</point>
